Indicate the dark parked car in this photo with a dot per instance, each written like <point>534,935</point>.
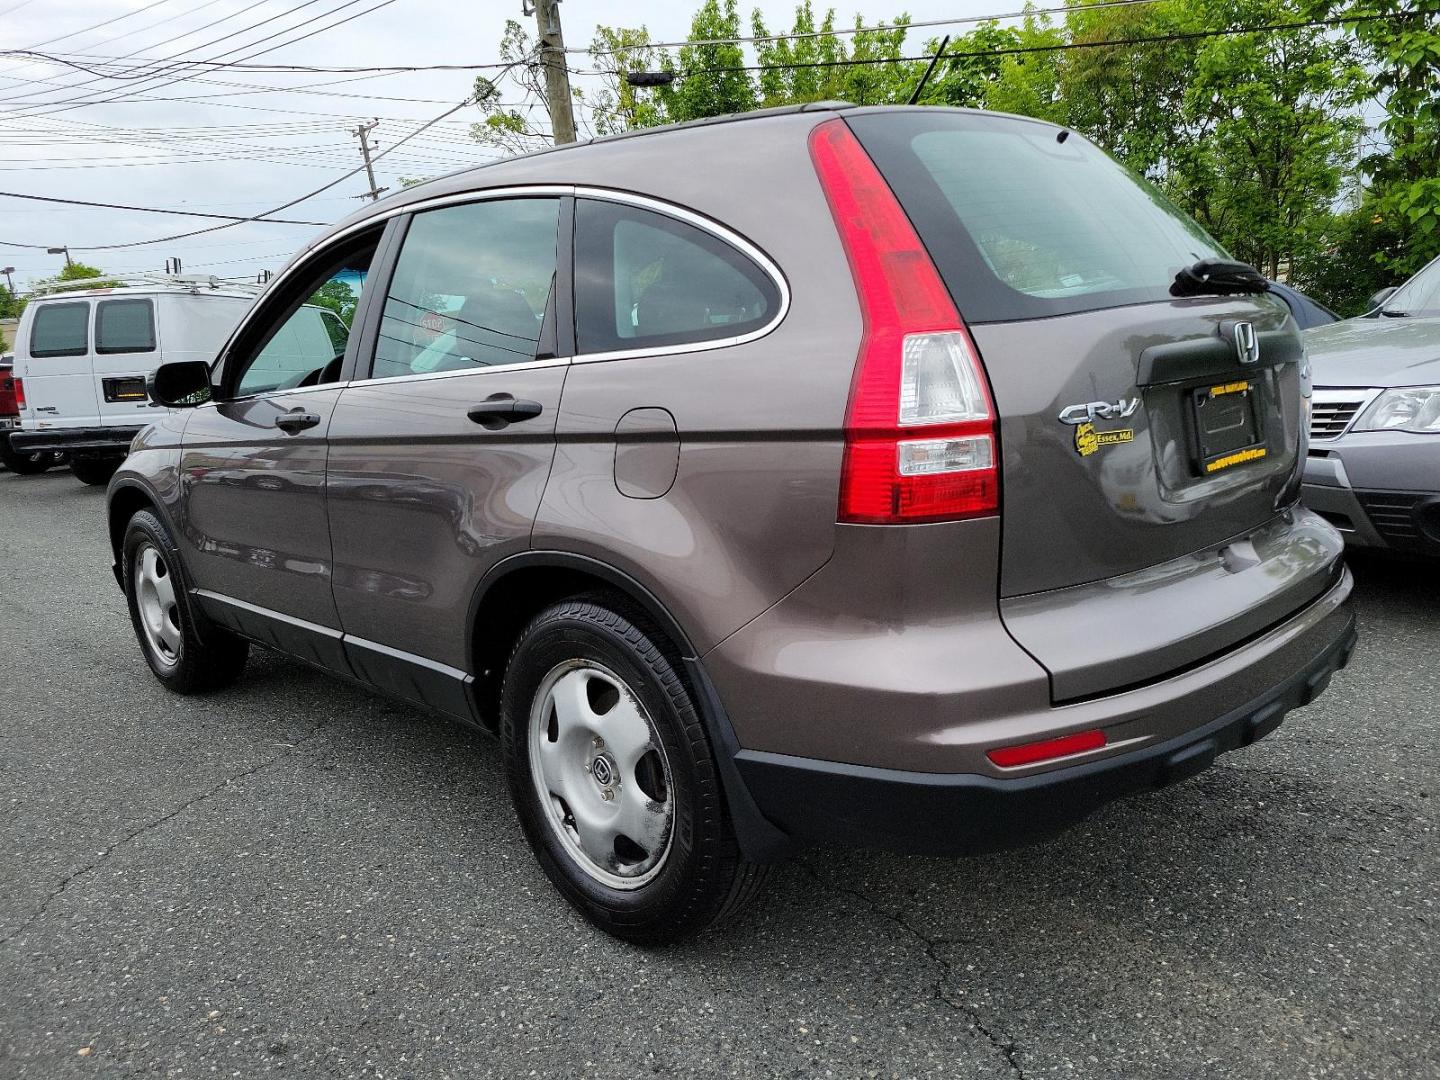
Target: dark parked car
<point>908,477</point>
<point>1374,464</point>
<point>1307,312</point>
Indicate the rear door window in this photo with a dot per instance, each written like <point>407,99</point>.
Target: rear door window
<point>124,326</point>
<point>1023,223</point>
<point>61,330</point>
<point>646,280</point>
<point>470,288</point>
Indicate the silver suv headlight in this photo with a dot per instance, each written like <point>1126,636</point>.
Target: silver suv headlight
<point>1410,408</point>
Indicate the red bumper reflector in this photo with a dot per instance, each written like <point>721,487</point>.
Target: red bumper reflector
<point>1007,757</point>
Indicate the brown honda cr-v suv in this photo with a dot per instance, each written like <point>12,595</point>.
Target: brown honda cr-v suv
<point>908,477</point>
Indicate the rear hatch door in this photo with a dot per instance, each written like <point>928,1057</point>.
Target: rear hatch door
<point>52,355</point>
<point>1141,435</point>
<point>126,350</point>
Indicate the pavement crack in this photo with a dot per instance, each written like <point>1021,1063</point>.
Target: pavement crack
<point>155,823</point>
<point>1000,1041</point>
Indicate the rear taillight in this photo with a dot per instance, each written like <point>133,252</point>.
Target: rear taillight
<point>20,394</point>
<point>920,427</point>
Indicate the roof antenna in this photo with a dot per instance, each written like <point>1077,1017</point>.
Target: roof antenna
<point>929,70</point>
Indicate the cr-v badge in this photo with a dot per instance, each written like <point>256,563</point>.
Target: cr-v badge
<point>1091,411</point>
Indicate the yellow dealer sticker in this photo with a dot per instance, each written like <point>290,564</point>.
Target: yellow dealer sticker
<point>1229,388</point>
<point>1237,458</point>
<point>1088,440</point>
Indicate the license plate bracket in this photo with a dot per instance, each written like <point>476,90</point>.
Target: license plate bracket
<point>1225,420</point>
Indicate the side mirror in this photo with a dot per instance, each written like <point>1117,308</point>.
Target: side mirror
<point>180,385</point>
<point>1381,296</point>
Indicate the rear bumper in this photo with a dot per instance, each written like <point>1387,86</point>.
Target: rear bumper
<point>940,814</point>
<point>108,442</point>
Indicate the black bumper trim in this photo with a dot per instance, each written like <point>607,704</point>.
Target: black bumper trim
<point>952,814</point>
<point>97,441</point>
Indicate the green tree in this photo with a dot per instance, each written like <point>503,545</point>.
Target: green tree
<point>618,106</point>
<point>710,80</point>
<point>1401,44</point>
<point>76,275</point>
<point>338,296</point>
<point>509,127</point>
<point>816,64</point>
<point>10,304</point>
<point>1270,133</point>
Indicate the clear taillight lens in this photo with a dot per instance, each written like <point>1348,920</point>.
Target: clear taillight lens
<point>921,457</point>
<point>938,381</point>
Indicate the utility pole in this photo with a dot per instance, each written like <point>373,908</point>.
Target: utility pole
<point>61,251</point>
<point>557,72</point>
<point>9,285</point>
<point>362,131</point>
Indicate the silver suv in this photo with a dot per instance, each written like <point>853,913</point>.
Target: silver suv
<point>909,477</point>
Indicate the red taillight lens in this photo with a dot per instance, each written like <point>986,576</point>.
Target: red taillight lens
<point>20,394</point>
<point>920,427</point>
<point>1007,757</point>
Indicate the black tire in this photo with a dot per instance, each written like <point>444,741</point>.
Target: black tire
<point>203,656</point>
<point>702,879</point>
<point>94,471</point>
<point>23,464</point>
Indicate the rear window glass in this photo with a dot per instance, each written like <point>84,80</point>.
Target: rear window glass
<point>644,280</point>
<point>60,330</point>
<point>1022,225</point>
<point>124,326</point>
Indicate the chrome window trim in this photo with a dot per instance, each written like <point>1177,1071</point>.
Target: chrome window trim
<point>644,202</point>
<point>268,395</point>
<point>720,232</point>
<point>479,369</point>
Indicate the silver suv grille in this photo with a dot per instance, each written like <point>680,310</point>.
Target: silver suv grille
<point>1333,411</point>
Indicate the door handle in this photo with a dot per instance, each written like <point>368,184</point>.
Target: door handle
<point>499,410</point>
<point>296,420</point>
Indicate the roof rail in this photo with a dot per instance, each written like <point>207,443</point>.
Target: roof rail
<point>189,282</point>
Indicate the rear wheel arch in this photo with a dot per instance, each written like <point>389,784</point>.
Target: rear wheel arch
<point>520,587</point>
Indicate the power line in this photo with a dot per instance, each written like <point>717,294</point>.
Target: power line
<point>837,31</point>
<point>1063,47</point>
<point>99,25</point>
<point>284,206</point>
<point>176,65</point>
<point>154,45</point>
<point>313,69</point>
<point>152,209</point>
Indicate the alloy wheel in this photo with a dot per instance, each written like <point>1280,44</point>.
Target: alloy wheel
<point>601,773</point>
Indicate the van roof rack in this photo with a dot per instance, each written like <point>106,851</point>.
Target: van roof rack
<point>190,282</point>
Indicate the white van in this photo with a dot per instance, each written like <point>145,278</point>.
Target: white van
<point>82,357</point>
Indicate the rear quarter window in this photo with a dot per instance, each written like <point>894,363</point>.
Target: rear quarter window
<point>1025,224</point>
<point>647,280</point>
<point>60,330</point>
<point>124,326</point>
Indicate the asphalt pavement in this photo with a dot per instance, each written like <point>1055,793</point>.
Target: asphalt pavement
<point>294,877</point>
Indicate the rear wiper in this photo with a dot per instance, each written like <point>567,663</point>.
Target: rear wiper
<point>1218,277</point>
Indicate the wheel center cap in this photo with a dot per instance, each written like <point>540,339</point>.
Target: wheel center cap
<point>604,770</point>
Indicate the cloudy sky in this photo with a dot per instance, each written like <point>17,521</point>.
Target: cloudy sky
<point>239,142</point>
